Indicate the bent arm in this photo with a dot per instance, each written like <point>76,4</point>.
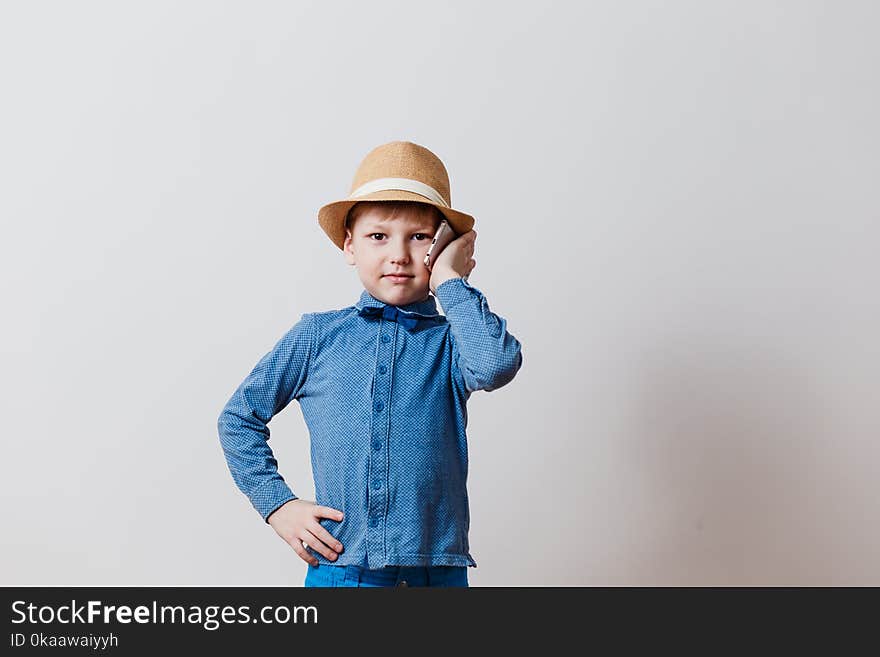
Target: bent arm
<point>243,424</point>
<point>487,355</point>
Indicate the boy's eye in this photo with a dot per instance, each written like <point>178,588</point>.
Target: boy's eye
<point>422,236</point>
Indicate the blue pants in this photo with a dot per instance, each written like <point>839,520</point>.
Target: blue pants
<point>332,575</point>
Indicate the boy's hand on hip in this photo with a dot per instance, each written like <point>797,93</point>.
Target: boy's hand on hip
<point>456,260</point>
<point>297,523</point>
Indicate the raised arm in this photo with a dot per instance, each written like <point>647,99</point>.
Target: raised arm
<point>486,354</point>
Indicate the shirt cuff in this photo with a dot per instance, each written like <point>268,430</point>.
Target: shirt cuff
<point>453,291</point>
<point>268,498</point>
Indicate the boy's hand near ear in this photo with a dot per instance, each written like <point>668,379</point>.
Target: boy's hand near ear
<point>455,261</point>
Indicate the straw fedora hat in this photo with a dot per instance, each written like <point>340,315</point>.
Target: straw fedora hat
<point>396,171</point>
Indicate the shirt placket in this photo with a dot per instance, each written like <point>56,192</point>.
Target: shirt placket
<point>377,497</point>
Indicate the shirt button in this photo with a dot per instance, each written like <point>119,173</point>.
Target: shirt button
<point>377,445</point>
<point>382,369</point>
<point>377,484</point>
<point>374,521</point>
<point>379,406</point>
<point>386,339</point>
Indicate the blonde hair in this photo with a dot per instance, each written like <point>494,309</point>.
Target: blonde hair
<point>391,209</point>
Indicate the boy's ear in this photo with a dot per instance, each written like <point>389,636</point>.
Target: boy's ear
<point>347,248</point>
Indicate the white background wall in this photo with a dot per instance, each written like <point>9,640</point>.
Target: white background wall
<point>677,205</point>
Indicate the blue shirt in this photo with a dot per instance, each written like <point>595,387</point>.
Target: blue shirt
<point>383,391</point>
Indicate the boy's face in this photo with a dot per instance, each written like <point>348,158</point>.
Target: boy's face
<point>378,246</point>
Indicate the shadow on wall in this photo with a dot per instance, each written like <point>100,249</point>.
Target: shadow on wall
<point>741,478</point>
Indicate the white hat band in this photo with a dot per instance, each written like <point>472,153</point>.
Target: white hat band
<point>402,184</point>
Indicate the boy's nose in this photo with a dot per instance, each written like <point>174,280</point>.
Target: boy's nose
<point>400,254</point>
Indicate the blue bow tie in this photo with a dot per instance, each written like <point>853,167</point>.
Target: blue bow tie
<point>390,313</point>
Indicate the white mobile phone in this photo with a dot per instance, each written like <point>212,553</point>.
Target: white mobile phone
<point>442,237</point>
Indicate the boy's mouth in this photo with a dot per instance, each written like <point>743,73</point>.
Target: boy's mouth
<point>398,278</point>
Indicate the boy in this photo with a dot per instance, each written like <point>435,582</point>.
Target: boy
<point>383,387</point>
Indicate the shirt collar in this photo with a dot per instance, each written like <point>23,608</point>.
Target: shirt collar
<point>425,308</point>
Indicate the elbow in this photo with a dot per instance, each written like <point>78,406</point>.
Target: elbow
<point>230,427</point>
<point>227,418</point>
<point>506,374</point>
<point>501,374</point>
<point>224,429</point>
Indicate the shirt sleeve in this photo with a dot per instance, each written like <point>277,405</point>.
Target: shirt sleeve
<point>273,383</point>
<point>485,354</point>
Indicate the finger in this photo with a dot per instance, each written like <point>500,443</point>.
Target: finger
<point>328,512</point>
<point>303,554</point>
<point>325,536</point>
<point>312,541</point>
